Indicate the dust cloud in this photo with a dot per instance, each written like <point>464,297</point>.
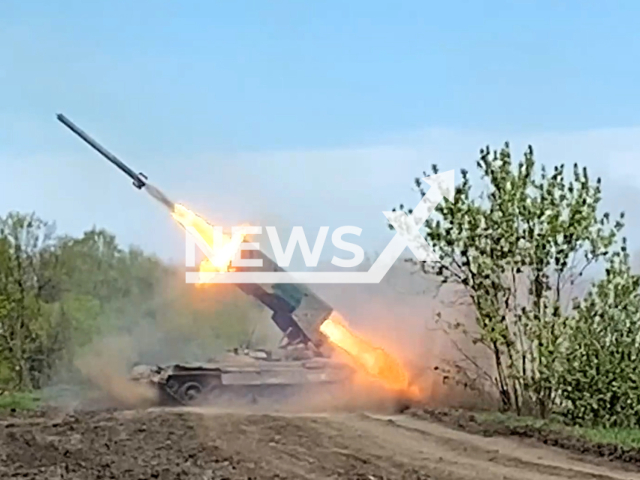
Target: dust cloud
<point>106,365</point>
<point>187,323</point>
<point>407,314</point>
<point>183,323</point>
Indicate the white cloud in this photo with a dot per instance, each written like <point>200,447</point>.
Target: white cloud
<point>344,186</point>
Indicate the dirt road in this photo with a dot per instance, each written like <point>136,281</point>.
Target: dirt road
<point>184,444</point>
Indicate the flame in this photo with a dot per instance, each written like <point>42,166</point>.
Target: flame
<point>367,358</point>
<point>373,360</point>
<point>225,247</point>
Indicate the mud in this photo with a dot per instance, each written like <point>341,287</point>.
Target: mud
<point>205,444</point>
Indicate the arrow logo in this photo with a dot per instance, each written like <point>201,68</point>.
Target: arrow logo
<point>407,235</point>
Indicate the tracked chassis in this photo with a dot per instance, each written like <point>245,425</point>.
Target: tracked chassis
<point>242,376</point>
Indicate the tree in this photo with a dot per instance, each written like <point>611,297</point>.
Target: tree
<point>515,250</point>
<point>30,336</point>
<point>598,381</point>
<point>59,294</point>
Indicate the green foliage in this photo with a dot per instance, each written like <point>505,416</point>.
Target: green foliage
<point>599,382</point>
<point>516,250</point>
<point>624,436</point>
<point>28,266</point>
<point>615,436</point>
<point>59,294</point>
<point>19,401</point>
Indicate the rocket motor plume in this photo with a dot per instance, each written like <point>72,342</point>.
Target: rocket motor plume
<point>373,360</point>
<point>377,363</point>
<point>159,195</point>
<point>366,357</point>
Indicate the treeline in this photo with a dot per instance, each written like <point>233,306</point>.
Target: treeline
<point>515,249</point>
<point>59,293</point>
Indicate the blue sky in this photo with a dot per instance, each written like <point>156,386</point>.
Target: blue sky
<point>295,112</point>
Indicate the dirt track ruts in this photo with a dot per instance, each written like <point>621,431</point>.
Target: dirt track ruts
<point>184,444</point>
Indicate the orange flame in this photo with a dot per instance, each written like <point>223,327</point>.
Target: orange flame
<point>374,361</point>
<point>225,247</point>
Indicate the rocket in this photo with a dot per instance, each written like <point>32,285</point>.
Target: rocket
<point>297,311</point>
<point>139,179</point>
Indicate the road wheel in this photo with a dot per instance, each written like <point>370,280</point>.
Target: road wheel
<point>190,392</point>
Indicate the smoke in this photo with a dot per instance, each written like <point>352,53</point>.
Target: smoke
<point>184,323</point>
<point>407,314</point>
<point>106,365</point>
<point>178,323</point>
<point>158,195</point>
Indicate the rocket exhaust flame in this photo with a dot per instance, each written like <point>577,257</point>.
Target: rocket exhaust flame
<point>225,247</point>
<point>375,361</point>
<point>365,357</point>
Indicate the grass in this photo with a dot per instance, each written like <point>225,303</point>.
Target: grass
<point>19,400</point>
<point>624,437</point>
